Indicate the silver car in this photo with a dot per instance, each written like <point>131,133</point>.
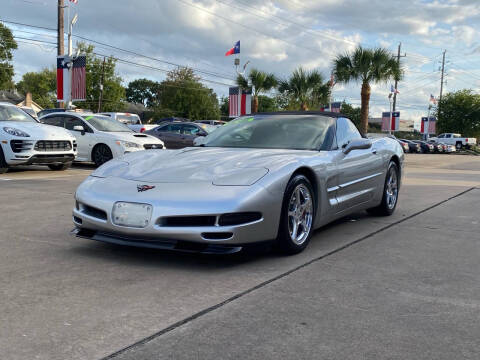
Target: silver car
<point>269,177</point>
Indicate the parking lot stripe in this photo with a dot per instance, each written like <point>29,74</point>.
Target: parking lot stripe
<point>278,277</point>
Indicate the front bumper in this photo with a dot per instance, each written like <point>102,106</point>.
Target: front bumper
<point>29,155</point>
<point>97,196</point>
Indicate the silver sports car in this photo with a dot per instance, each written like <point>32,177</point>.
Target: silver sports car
<point>269,177</point>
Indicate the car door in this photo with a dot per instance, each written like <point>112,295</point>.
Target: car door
<point>359,171</point>
<point>190,132</point>
<point>166,134</point>
<point>85,140</point>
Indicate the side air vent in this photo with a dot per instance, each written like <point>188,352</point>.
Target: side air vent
<point>239,218</point>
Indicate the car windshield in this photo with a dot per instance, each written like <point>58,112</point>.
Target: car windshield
<point>208,128</point>
<point>12,113</point>
<point>129,119</point>
<point>103,123</point>
<point>300,132</point>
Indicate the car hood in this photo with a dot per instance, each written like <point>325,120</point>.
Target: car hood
<point>221,166</point>
<point>133,137</point>
<point>38,131</point>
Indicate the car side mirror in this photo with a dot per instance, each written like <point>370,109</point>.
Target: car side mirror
<point>79,128</point>
<point>357,144</point>
<point>202,134</point>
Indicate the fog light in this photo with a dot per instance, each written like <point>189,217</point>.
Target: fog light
<point>131,214</point>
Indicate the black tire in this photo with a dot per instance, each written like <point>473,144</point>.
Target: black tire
<point>60,167</point>
<point>284,239</point>
<point>386,207</point>
<point>459,145</point>
<point>3,163</point>
<point>101,154</point>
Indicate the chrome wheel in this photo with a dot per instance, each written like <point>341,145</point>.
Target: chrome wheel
<point>391,188</point>
<point>300,214</point>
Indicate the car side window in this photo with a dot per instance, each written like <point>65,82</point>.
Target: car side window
<point>54,120</point>
<point>175,128</point>
<point>190,130</point>
<point>346,132</point>
<point>448,136</point>
<point>441,136</point>
<point>70,122</point>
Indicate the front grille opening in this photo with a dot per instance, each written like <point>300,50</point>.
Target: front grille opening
<point>21,145</point>
<point>239,218</point>
<point>93,212</point>
<point>152,146</point>
<point>53,145</point>
<point>180,221</point>
<point>217,235</point>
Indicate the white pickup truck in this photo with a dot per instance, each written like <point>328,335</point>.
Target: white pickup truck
<point>131,120</point>
<point>455,139</point>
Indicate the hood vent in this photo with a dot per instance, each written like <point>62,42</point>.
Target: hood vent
<point>140,135</point>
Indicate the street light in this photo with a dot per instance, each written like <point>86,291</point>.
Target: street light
<point>73,22</point>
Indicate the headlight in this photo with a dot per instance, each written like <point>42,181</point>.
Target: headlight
<point>15,132</point>
<point>128,144</point>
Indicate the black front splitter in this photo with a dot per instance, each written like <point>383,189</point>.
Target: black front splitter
<point>173,245</point>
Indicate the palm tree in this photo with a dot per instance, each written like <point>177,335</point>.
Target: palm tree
<point>368,66</point>
<point>305,88</point>
<point>261,82</point>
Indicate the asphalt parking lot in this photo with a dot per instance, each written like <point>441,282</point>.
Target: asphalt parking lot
<point>402,287</point>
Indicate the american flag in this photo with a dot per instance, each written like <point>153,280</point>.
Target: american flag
<point>79,78</point>
<point>74,1</point>
<point>393,90</point>
<point>239,104</point>
<point>432,99</point>
<point>390,121</point>
<point>431,125</point>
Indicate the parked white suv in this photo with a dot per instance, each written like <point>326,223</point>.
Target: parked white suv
<point>131,120</point>
<point>456,140</point>
<point>101,138</point>
<point>24,141</point>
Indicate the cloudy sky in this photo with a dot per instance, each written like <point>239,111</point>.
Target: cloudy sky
<point>276,35</point>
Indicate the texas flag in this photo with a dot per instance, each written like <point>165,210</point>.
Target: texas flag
<point>234,50</point>
<point>63,78</point>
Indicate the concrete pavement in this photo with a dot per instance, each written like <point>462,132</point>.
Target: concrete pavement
<point>70,298</point>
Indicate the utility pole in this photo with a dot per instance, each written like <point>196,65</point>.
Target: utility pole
<point>441,81</point>
<point>60,30</point>
<point>396,81</point>
<point>100,98</point>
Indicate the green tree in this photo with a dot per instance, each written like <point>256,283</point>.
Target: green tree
<point>261,81</point>
<point>353,113</point>
<point>305,89</point>
<point>459,112</point>
<point>183,95</point>
<point>143,91</point>
<point>224,106</point>
<point>7,44</point>
<point>42,85</point>
<point>366,66</point>
<point>266,104</point>
<point>113,91</point>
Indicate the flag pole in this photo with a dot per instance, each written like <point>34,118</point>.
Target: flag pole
<point>391,115</point>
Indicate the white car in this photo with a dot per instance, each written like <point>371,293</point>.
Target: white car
<point>101,138</point>
<point>131,120</point>
<point>24,141</point>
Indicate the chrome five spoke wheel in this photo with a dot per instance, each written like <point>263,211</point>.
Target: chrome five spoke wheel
<point>300,214</point>
<point>391,189</point>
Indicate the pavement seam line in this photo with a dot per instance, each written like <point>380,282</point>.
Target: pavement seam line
<point>275,278</point>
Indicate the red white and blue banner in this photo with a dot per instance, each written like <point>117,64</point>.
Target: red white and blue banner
<point>240,102</point>
<point>432,125</point>
<point>336,107</point>
<point>234,50</point>
<point>391,121</point>
<point>79,91</point>
<point>63,78</point>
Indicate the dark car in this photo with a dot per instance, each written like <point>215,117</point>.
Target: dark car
<point>212,122</point>
<point>177,135</point>
<point>412,147</point>
<point>424,146</point>
<point>49,111</point>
